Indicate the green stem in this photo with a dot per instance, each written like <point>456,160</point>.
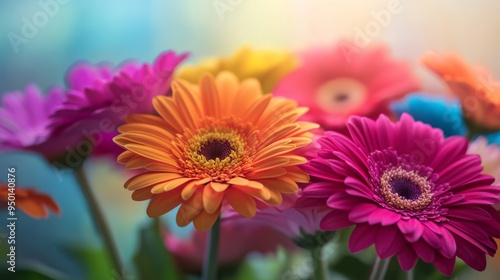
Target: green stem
<point>379,268</point>
<point>409,274</point>
<point>212,246</point>
<point>319,267</point>
<point>99,220</point>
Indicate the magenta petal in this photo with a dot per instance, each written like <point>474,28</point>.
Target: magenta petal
<point>361,212</point>
<point>445,265</point>
<point>384,217</point>
<point>335,220</point>
<point>449,246</point>
<point>362,237</point>
<point>341,201</point>
<point>412,229</point>
<point>407,258</point>
<point>424,251</point>
<point>471,254</point>
<point>388,242</point>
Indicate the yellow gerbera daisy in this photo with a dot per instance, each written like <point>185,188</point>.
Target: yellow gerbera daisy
<point>222,141</point>
<point>266,66</point>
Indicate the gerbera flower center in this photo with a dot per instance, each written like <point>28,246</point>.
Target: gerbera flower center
<point>220,151</point>
<point>405,189</point>
<point>215,149</point>
<point>341,95</point>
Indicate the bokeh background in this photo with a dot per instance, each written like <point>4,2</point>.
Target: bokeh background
<point>115,31</point>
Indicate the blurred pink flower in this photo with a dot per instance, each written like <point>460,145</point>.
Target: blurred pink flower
<point>237,241</point>
<point>490,157</point>
<point>99,100</point>
<point>339,82</point>
<point>24,123</point>
<point>287,218</point>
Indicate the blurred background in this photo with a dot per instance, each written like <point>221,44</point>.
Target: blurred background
<point>115,31</point>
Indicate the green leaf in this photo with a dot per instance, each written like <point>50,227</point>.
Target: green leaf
<point>23,274</point>
<point>95,262</point>
<point>152,260</point>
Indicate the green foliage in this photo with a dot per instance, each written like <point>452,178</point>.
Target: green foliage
<point>152,259</point>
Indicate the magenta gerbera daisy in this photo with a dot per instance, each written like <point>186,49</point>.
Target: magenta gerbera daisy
<point>99,98</point>
<point>25,121</point>
<point>408,190</point>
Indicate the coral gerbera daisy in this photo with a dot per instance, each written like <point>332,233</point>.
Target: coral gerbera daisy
<point>478,92</point>
<point>334,85</point>
<point>223,141</point>
<point>408,190</point>
<point>264,65</point>
<point>29,200</point>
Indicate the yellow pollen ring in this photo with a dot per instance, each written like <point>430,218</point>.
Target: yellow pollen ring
<point>398,201</point>
<point>212,167</point>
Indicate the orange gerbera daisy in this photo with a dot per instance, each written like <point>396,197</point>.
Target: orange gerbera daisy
<point>476,88</point>
<point>222,141</point>
<point>30,201</point>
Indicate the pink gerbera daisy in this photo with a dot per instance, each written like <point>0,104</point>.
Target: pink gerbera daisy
<point>339,82</point>
<point>99,99</point>
<point>408,190</point>
<point>25,121</point>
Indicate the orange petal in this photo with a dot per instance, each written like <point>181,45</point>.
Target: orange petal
<point>219,187</point>
<point>166,107</point>
<point>241,202</point>
<point>190,209</point>
<point>142,194</point>
<point>262,194</point>
<point>161,132</point>
<point>148,152</point>
<point>188,105</point>
<point>209,96</point>
<point>211,199</point>
<point>270,173</point>
<point>189,190</point>
<point>163,203</point>
<point>283,185</point>
<point>204,220</point>
<point>148,179</point>
<point>169,185</point>
<point>296,174</point>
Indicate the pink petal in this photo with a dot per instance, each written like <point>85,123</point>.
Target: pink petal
<point>362,237</point>
<point>445,265</point>
<point>424,251</point>
<point>407,258</point>
<point>384,217</point>
<point>412,229</point>
<point>361,212</point>
<point>388,242</point>
<point>335,220</point>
